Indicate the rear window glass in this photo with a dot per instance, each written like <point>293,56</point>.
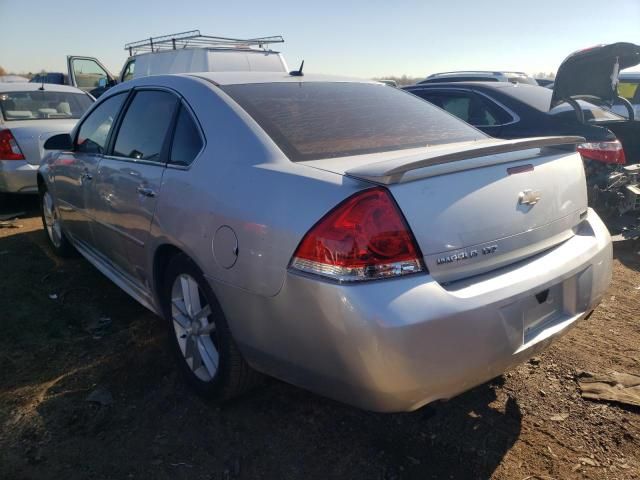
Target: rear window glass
<point>592,113</point>
<point>43,105</point>
<point>313,120</point>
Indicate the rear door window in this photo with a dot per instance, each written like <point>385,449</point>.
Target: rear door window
<point>313,120</point>
<point>187,141</point>
<point>94,131</point>
<point>470,107</point>
<point>145,125</point>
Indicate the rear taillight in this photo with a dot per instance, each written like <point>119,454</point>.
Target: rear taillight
<point>9,149</point>
<point>605,152</point>
<point>364,238</point>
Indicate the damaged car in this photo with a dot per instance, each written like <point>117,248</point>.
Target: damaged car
<point>584,102</point>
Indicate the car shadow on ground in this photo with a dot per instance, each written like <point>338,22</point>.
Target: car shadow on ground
<point>146,423</point>
<point>628,253</point>
<point>20,205</point>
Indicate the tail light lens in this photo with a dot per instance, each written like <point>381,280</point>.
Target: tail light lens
<point>9,149</point>
<point>363,238</point>
<point>606,152</point>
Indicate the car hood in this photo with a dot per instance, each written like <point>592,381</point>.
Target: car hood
<point>594,71</point>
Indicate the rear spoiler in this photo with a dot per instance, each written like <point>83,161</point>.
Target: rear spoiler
<point>477,154</point>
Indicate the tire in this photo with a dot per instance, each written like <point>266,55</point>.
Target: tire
<point>52,224</point>
<point>196,343</point>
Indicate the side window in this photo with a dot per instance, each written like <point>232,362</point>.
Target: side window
<point>145,125</point>
<point>88,74</point>
<point>187,141</point>
<point>458,105</point>
<point>129,70</point>
<point>474,109</point>
<point>93,134</point>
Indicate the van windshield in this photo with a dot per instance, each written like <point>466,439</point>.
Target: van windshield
<point>43,105</point>
<point>313,120</point>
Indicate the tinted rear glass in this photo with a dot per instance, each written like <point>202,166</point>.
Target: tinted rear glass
<point>592,113</point>
<point>43,105</point>
<point>313,120</point>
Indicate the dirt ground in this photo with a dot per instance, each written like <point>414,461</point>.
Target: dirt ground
<point>66,332</point>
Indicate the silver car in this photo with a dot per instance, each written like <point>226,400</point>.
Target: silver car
<point>29,114</point>
<point>340,235</point>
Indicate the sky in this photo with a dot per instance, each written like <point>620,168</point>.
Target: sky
<point>358,38</point>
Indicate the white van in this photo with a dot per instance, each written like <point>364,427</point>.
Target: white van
<point>178,53</point>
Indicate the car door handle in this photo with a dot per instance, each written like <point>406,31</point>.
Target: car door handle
<point>146,191</point>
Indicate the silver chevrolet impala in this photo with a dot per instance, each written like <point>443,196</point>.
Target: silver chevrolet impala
<point>340,235</point>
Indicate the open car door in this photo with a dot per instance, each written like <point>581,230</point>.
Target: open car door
<point>88,74</point>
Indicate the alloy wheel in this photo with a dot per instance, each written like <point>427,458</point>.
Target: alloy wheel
<point>52,220</point>
<point>194,327</point>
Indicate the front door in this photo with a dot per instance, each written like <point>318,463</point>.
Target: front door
<point>75,171</point>
<point>129,181</point>
<point>88,74</point>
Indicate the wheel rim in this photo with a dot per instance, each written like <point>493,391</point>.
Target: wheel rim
<point>194,328</point>
<point>51,219</point>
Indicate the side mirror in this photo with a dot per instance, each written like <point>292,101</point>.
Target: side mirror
<point>102,82</point>
<point>59,142</point>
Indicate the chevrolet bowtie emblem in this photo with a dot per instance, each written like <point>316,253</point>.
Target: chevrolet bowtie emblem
<point>529,197</point>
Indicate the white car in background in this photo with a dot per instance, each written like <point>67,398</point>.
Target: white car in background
<point>30,113</point>
<point>185,52</point>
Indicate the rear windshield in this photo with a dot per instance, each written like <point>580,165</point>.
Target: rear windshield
<point>313,120</point>
<point>540,99</point>
<point>592,113</point>
<point>42,105</point>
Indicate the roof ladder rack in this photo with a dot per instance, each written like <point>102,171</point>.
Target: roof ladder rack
<point>194,38</point>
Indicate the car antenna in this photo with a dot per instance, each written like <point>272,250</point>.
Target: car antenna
<point>297,73</point>
<point>42,85</point>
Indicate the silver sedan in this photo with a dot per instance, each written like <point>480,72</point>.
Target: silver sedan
<point>341,235</point>
<point>30,113</point>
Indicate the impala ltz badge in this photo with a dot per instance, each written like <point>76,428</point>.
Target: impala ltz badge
<point>529,197</point>
<point>467,254</point>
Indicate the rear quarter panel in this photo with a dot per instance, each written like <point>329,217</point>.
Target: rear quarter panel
<point>243,181</point>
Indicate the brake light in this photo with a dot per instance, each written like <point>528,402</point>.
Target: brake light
<point>364,238</point>
<point>606,152</point>
<point>9,149</point>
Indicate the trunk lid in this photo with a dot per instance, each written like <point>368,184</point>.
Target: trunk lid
<point>32,134</point>
<point>478,213</point>
<point>594,72</point>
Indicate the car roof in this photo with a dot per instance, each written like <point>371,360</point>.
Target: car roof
<point>236,78</point>
<point>30,87</point>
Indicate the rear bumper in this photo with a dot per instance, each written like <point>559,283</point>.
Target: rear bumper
<point>397,345</point>
<point>18,176</point>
